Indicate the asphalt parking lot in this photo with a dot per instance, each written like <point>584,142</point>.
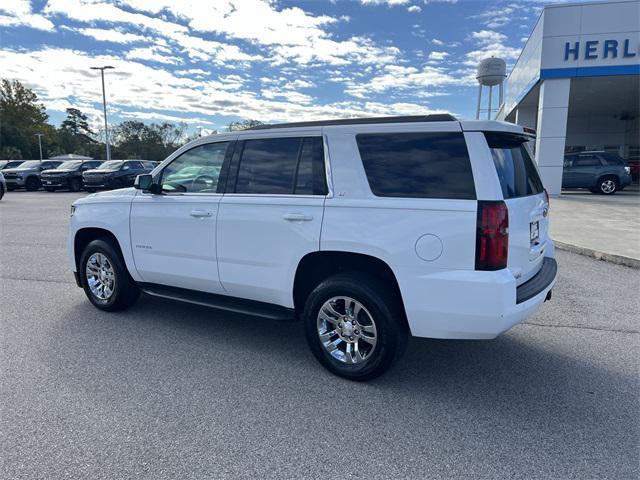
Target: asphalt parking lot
<point>168,390</point>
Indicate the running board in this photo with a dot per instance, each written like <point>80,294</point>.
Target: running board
<point>220,302</point>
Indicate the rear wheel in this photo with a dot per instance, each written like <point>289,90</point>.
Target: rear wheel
<point>354,326</point>
<point>32,184</point>
<point>75,185</point>
<point>608,185</point>
<point>105,278</point>
<point>1,191</point>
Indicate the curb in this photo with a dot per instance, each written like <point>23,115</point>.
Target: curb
<point>605,257</point>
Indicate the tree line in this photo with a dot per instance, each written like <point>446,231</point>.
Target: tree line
<point>22,116</point>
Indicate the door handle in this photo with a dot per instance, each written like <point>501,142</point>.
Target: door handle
<point>297,217</point>
<point>200,213</point>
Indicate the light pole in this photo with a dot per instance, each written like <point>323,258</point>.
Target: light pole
<point>104,107</point>
<point>40,135</point>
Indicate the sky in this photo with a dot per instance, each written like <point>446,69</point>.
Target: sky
<point>210,62</point>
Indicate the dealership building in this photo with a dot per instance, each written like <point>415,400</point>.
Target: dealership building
<point>577,82</point>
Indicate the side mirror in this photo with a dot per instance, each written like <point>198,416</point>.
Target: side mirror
<point>145,182</point>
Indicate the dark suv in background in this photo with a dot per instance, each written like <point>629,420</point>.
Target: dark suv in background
<point>599,171</point>
<point>68,175</point>
<point>10,163</point>
<point>27,174</point>
<point>115,174</point>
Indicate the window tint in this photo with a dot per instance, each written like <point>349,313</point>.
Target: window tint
<point>282,166</point>
<point>196,170</point>
<point>417,165</point>
<point>516,171</point>
<point>149,165</point>
<point>310,179</point>
<point>586,161</point>
<point>134,165</point>
<point>612,159</point>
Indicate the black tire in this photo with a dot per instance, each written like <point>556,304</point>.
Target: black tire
<point>1,191</point>
<point>125,291</point>
<point>50,189</point>
<point>32,184</point>
<point>386,313</point>
<point>608,185</point>
<point>10,189</point>
<point>75,184</point>
<point>90,190</point>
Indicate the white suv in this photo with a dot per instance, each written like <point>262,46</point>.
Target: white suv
<point>367,230</point>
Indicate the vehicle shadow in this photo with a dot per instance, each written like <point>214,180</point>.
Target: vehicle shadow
<point>534,384</point>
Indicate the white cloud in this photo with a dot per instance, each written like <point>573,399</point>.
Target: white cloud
<point>414,9</point>
<point>115,36</point>
<point>389,3</point>
<point>437,56</point>
<point>16,13</point>
<point>485,37</point>
<point>490,44</point>
<point>398,78</point>
<point>289,34</point>
<point>61,78</point>
<point>152,54</point>
<point>435,41</point>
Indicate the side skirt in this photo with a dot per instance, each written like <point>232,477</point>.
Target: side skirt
<point>220,302</point>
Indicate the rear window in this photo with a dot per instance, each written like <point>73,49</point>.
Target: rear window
<point>516,171</point>
<point>417,165</point>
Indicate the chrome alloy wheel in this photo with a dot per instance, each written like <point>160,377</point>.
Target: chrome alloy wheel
<point>101,276</point>
<point>608,186</point>
<point>347,330</point>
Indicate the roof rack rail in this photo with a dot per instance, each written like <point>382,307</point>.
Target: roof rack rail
<point>435,117</point>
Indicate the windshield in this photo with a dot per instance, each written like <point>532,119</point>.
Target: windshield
<point>29,164</point>
<point>111,165</point>
<point>70,165</point>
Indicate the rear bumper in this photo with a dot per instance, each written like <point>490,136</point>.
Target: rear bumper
<point>473,304</point>
<point>625,181</point>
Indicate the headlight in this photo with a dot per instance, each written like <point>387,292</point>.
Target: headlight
<point>73,210</point>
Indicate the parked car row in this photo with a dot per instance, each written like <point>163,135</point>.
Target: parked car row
<point>72,175</point>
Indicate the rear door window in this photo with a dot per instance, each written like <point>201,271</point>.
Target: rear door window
<point>588,160</point>
<point>516,171</point>
<point>417,165</point>
<point>284,166</point>
<point>612,159</point>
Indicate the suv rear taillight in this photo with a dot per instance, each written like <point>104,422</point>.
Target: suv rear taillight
<point>492,235</point>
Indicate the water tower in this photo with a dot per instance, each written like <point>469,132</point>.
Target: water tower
<point>491,72</point>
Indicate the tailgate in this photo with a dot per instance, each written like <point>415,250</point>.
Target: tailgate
<point>528,235</point>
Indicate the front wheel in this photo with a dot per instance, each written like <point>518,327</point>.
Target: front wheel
<point>1,191</point>
<point>354,326</point>
<point>32,184</point>
<point>608,185</point>
<point>75,184</point>
<point>105,278</point>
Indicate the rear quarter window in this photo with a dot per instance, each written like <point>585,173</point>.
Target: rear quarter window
<point>417,165</point>
<point>517,174</point>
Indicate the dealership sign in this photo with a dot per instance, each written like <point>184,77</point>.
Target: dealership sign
<point>596,49</point>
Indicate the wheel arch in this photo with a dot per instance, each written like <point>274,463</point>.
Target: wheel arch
<point>86,235</point>
<point>316,266</point>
